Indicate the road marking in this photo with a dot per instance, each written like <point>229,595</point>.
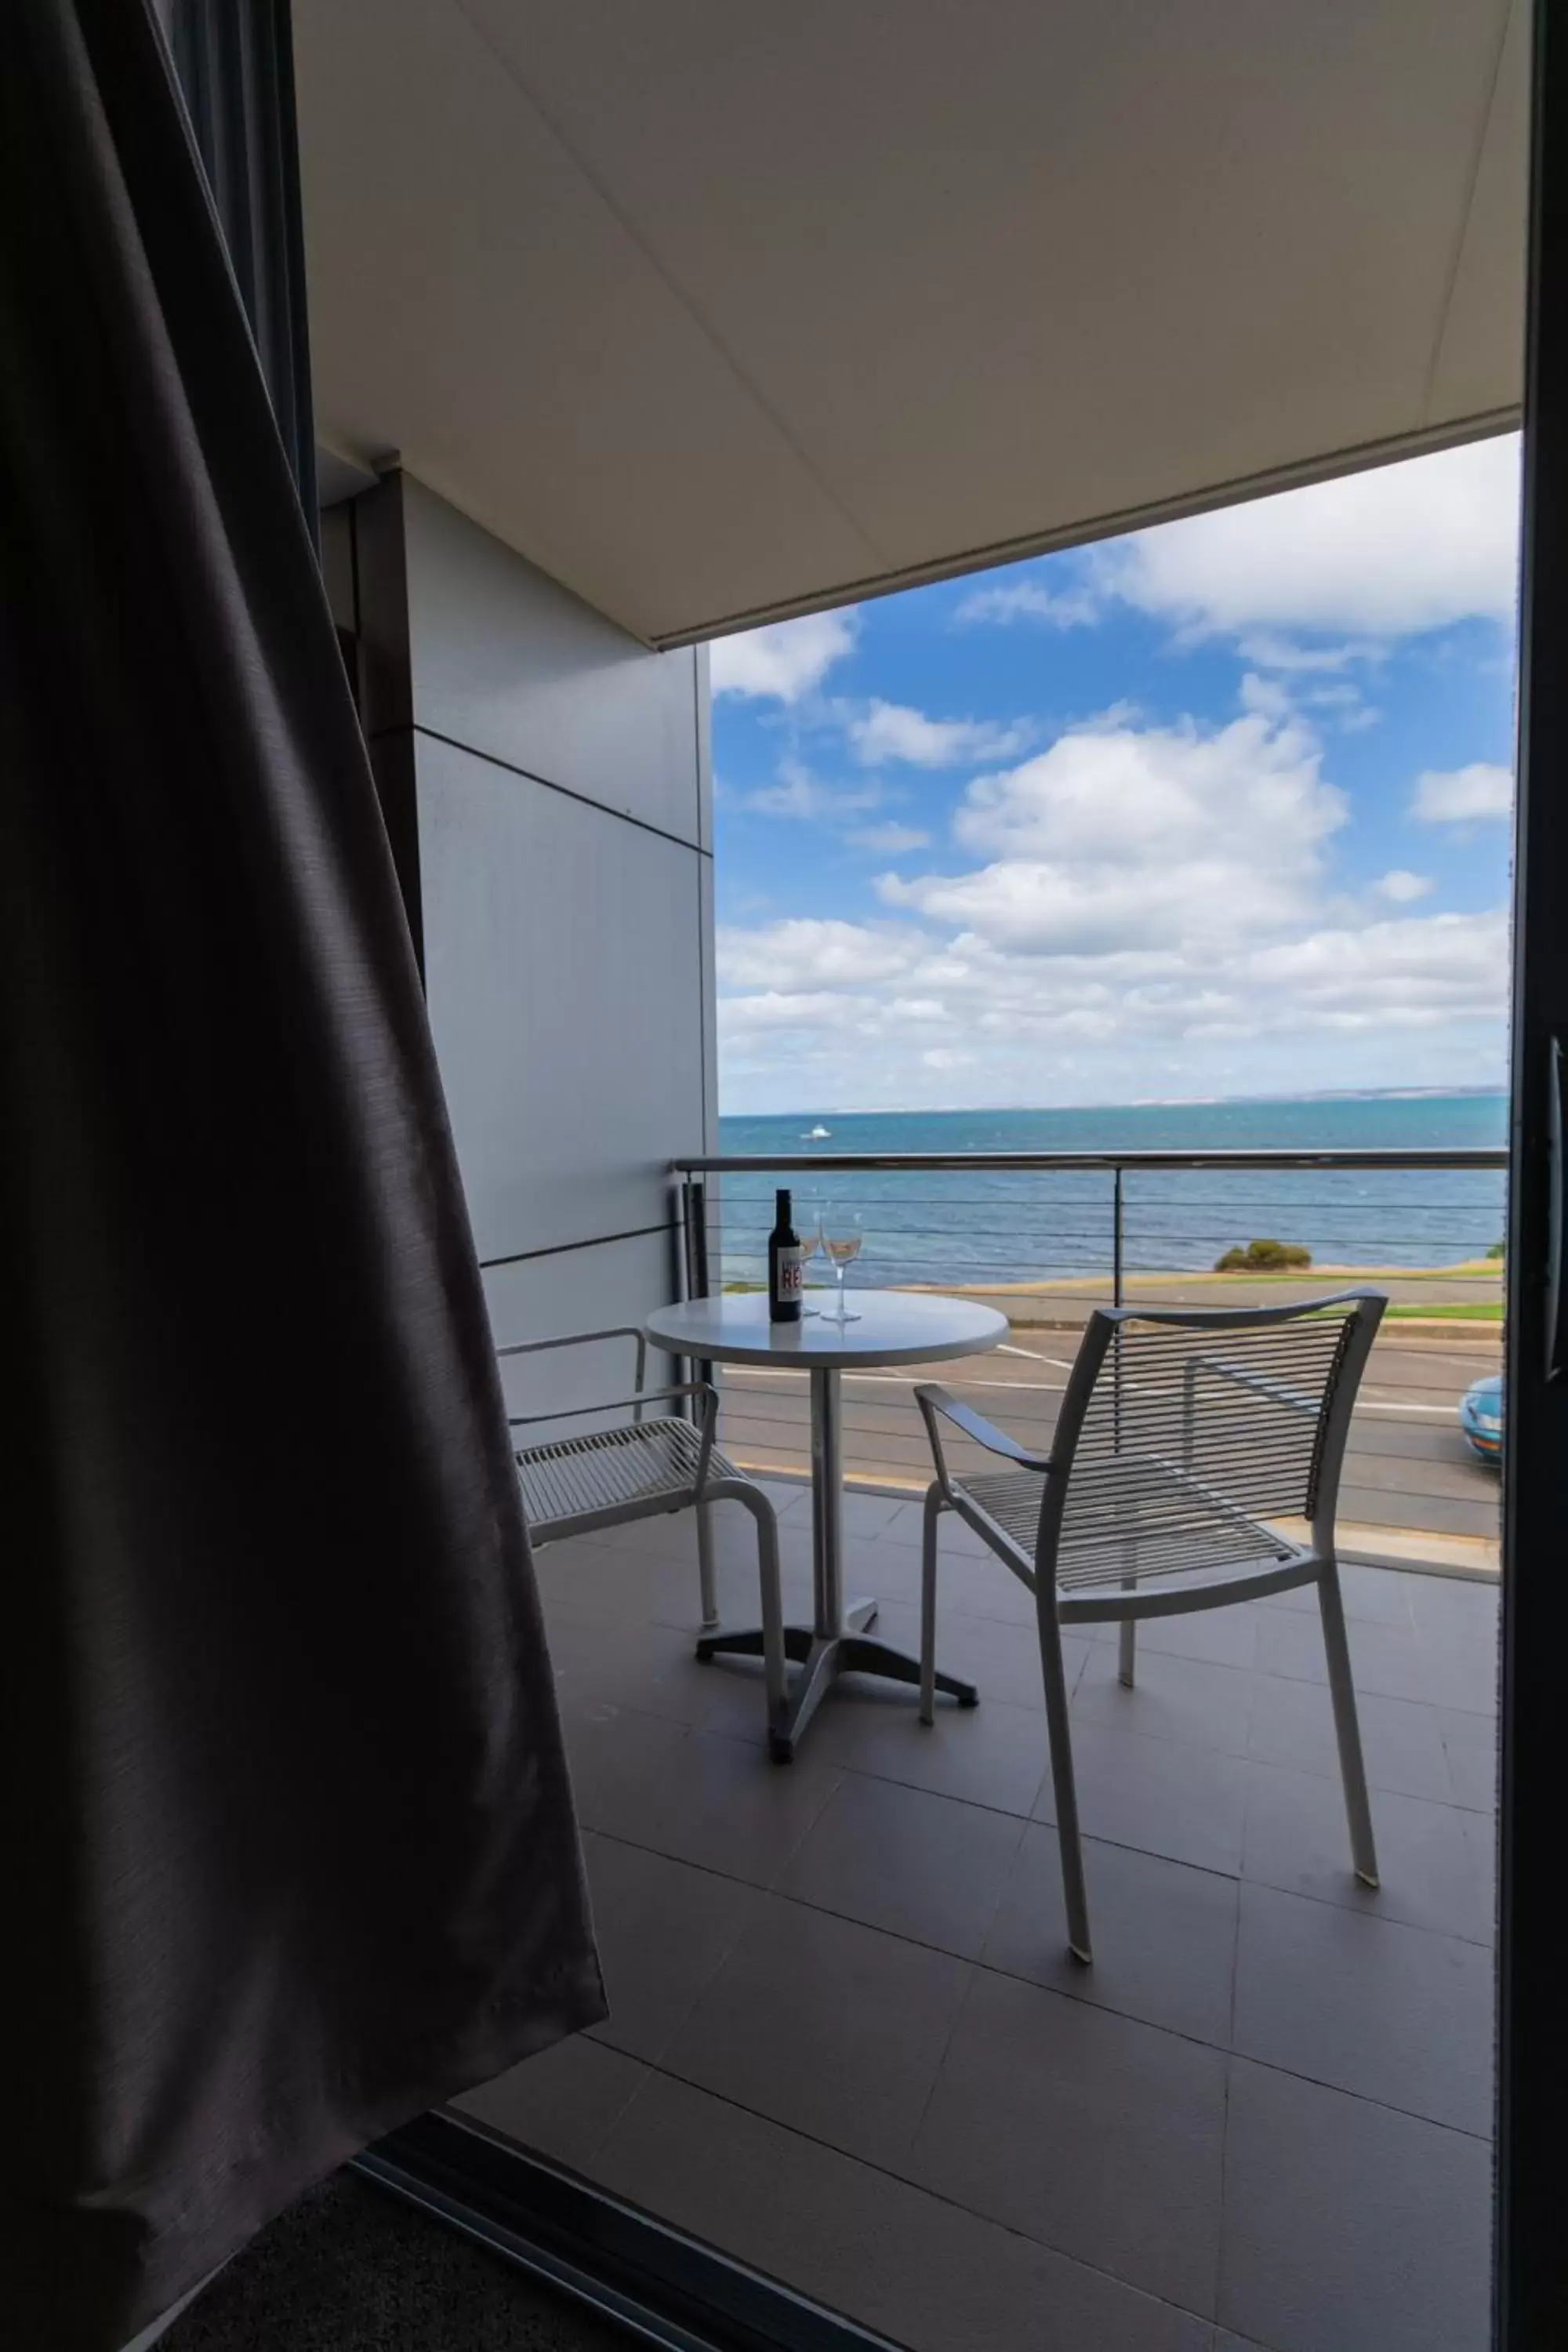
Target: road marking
<point>889,1380</point>
<point>1061,1362</point>
<point>1446,1411</point>
<point>1022,1388</point>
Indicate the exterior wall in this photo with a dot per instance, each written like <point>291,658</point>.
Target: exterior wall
<point>562,832</point>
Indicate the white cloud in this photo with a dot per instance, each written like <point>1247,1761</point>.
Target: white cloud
<point>1400,886</point>
<point>799,793</point>
<point>1462,795</point>
<point>1030,600</point>
<point>888,840</point>
<point>1388,552</point>
<point>881,731</point>
<point>1265,694</point>
<point>793,1010</point>
<point>1143,910</point>
<point>1150,838</point>
<point>785,660</point>
<point>1416,972</point>
<point>1266,651</point>
<point>805,952</point>
<point>1346,705</point>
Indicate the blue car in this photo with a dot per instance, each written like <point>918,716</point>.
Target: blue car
<point>1480,1417</point>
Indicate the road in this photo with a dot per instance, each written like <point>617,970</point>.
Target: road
<point>1408,1469</point>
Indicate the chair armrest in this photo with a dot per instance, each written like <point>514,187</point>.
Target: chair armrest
<point>934,1401</point>
<point>611,1404</point>
<point>586,1339</point>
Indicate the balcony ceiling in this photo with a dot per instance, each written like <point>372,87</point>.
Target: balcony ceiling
<point>718,313</point>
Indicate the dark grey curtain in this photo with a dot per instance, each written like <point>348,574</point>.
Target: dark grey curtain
<point>286,1851</point>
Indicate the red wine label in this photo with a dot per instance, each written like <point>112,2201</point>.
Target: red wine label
<point>789,1275</point>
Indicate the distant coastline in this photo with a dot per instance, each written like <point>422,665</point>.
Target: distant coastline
<point>1003,1227</point>
<point>1144,1102</point>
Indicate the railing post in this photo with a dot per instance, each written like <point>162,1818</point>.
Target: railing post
<point>698,1239</point>
<point>1116,1239</point>
<point>694,1262</point>
<point>694,1236</point>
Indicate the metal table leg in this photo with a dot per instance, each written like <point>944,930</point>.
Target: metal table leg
<point>837,1642</point>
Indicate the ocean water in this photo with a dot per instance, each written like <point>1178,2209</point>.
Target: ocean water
<point>1016,1225</point>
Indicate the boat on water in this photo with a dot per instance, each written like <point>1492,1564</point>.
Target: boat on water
<point>817,1134</point>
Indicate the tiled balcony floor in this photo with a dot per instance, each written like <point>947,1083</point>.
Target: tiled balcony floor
<point>846,2044</point>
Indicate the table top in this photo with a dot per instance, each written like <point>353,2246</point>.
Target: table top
<point>896,1327</point>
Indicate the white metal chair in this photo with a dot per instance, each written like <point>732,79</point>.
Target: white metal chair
<point>1184,1441</point>
<point>643,1468</point>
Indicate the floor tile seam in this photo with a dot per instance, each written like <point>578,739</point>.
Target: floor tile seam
<point>1217,2284</point>
<point>1385,2105</point>
<point>1330,1772</point>
<point>711,1730</point>
<point>708,1869</point>
<point>1239,1877</point>
<point>1365,1690</point>
<point>1090,1837</point>
<point>1170,1739</point>
<point>909,2181</point>
<point>603,2030</point>
<point>848,1919</point>
<point>978,1965</point>
<point>1334,1778</point>
<point>1379,1918</point>
<point>624,2109</point>
<point>952,2024</point>
<point>1364,2098</point>
<point>924,1944</point>
<point>870,1772</point>
<point>836,1764</point>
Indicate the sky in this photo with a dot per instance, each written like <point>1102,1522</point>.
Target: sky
<point>1219,808</point>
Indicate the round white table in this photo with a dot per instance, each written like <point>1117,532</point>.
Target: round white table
<point>894,1327</point>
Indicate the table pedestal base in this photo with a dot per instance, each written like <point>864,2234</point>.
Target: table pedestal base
<point>823,1658</point>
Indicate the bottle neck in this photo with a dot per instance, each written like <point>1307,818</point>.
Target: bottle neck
<point>782,1215</point>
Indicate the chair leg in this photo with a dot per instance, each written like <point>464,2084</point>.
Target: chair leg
<point>1347,1729</point>
<point>1065,1788</point>
<point>927,1605</point>
<point>1127,1651</point>
<point>775,1677</point>
<point>705,1567</point>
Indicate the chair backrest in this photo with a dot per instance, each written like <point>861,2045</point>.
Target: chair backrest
<point>1179,1425</point>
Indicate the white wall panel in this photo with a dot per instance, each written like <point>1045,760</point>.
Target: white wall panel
<point>564,966</point>
<point>578,1290</point>
<point>511,664</point>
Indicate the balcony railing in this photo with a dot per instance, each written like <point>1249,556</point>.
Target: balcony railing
<point>1046,1236</point>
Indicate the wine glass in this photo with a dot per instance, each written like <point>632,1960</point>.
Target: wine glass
<point>810,1242</point>
<point>839,1232</point>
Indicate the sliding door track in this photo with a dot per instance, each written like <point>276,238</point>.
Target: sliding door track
<point>662,2286</point>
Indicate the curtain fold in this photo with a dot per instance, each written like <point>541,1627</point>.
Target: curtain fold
<point>289,1847</point>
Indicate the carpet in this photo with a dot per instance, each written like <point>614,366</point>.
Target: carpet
<point>350,2269</point>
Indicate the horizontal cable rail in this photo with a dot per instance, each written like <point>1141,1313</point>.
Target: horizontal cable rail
<point>1046,1236</point>
<point>1475,1156</point>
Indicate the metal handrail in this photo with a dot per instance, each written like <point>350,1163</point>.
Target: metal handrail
<point>723,1163</point>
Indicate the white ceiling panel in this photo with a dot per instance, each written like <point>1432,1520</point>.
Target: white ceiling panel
<point>718,312</point>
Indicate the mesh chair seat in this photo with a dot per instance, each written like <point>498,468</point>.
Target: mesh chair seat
<point>1149,1519</point>
<point>638,1465</point>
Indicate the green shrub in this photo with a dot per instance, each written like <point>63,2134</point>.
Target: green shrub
<point>1263,1257</point>
<point>1496,1250</point>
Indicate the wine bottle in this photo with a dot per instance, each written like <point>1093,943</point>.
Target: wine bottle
<point>786,1265</point>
